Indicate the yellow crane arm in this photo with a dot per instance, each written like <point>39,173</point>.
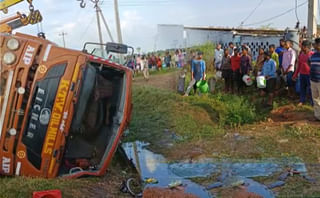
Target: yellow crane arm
<point>5,4</point>
<point>14,22</point>
<point>9,24</point>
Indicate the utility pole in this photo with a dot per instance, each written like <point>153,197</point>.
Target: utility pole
<point>312,16</point>
<point>106,25</point>
<point>116,10</point>
<point>98,15</point>
<point>63,34</point>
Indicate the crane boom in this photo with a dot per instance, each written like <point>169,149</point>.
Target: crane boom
<point>19,20</point>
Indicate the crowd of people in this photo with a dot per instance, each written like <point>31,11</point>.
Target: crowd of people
<point>282,68</point>
<point>144,63</point>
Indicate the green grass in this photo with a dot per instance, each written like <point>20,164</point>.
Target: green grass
<point>300,132</point>
<point>24,187</point>
<point>193,117</point>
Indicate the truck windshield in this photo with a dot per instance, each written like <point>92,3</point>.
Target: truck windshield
<point>114,57</point>
<point>98,51</point>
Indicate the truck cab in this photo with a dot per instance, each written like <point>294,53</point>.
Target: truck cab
<point>62,111</point>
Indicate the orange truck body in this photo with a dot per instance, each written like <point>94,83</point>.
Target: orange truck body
<point>41,96</point>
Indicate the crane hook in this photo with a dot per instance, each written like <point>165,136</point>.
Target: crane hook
<point>82,4</point>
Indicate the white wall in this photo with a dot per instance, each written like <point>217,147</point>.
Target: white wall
<point>172,36</point>
<point>169,37</point>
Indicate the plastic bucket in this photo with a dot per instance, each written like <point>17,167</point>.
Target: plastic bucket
<point>218,75</point>
<point>261,82</point>
<point>248,80</point>
<point>203,86</point>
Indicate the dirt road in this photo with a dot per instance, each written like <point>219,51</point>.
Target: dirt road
<point>163,81</point>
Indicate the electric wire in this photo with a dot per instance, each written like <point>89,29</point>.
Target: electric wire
<point>86,29</point>
<point>276,16</point>
<point>252,12</point>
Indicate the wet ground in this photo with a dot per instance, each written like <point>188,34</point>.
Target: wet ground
<point>151,165</point>
<point>231,173</point>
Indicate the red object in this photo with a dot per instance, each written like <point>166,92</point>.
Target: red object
<point>235,63</point>
<point>47,194</point>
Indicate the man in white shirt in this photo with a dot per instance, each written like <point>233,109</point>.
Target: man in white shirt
<point>218,55</point>
<point>288,64</point>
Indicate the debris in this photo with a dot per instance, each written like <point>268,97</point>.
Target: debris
<point>130,186</point>
<point>283,141</point>
<point>270,120</point>
<point>293,172</point>
<point>284,176</point>
<point>276,184</point>
<point>175,184</point>
<point>151,181</point>
<point>223,176</point>
<point>214,185</point>
<point>48,193</point>
<point>237,183</point>
<point>309,179</point>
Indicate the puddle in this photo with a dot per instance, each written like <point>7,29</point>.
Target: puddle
<point>152,165</point>
<point>245,168</point>
<point>232,173</point>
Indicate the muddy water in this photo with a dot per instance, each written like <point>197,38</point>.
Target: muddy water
<point>231,173</point>
<point>152,165</point>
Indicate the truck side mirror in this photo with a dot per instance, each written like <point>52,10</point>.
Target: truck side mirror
<point>117,48</point>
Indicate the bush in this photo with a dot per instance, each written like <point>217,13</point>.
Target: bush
<point>231,110</point>
<point>193,117</point>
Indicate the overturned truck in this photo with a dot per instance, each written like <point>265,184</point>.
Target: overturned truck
<point>62,112</point>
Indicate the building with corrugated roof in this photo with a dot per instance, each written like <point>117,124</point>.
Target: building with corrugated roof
<point>180,36</point>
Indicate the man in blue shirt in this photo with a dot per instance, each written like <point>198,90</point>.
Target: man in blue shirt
<point>269,71</point>
<point>315,78</point>
<point>198,72</point>
<point>280,50</point>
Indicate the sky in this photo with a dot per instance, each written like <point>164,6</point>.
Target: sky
<point>139,18</point>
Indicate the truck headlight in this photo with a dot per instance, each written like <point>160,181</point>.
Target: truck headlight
<point>13,44</point>
<point>9,58</point>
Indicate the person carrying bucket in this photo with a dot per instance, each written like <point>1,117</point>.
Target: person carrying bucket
<point>198,73</point>
<point>269,71</point>
<point>245,67</point>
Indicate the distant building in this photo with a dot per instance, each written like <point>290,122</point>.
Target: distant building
<point>179,36</point>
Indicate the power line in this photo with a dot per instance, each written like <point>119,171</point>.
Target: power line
<point>277,16</point>
<point>86,29</point>
<point>252,12</point>
<point>141,3</point>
